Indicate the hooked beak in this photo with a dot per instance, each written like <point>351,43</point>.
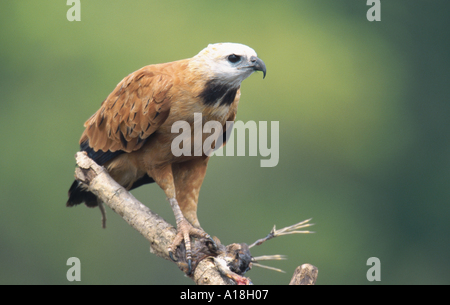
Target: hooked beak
<point>258,65</point>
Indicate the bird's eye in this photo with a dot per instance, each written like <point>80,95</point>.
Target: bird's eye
<point>233,58</point>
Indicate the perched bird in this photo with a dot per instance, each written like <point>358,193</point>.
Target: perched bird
<point>130,135</point>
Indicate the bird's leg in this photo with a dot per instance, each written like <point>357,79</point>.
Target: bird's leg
<point>184,230</point>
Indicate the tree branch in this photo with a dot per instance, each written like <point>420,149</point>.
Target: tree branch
<point>305,274</point>
<point>212,266</point>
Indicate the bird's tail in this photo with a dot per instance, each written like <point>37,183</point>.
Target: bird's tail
<point>78,195</point>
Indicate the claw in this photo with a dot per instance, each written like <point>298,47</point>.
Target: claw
<point>213,242</point>
<point>189,261</point>
<point>171,256</point>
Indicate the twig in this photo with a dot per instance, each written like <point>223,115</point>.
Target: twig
<point>285,231</point>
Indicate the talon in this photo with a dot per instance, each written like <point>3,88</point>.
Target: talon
<point>184,230</point>
<point>171,256</point>
<point>189,261</point>
<point>213,242</point>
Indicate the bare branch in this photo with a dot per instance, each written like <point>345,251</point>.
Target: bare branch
<point>305,274</point>
<point>212,266</point>
<point>154,228</point>
<point>285,231</point>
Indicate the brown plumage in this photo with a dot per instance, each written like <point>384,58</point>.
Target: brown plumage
<point>130,135</point>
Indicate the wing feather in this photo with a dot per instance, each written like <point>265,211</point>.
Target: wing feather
<point>136,108</point>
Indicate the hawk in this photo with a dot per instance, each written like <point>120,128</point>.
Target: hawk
<point>130,135</point>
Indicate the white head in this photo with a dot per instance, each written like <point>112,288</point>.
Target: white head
<point>228,62</point>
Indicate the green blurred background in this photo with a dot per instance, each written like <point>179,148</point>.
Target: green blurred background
<point>364,147</point>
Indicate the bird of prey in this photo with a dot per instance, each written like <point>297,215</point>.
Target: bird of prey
<point>130,135</point>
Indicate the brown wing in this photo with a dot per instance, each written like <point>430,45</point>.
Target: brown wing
<point>133,111</point>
